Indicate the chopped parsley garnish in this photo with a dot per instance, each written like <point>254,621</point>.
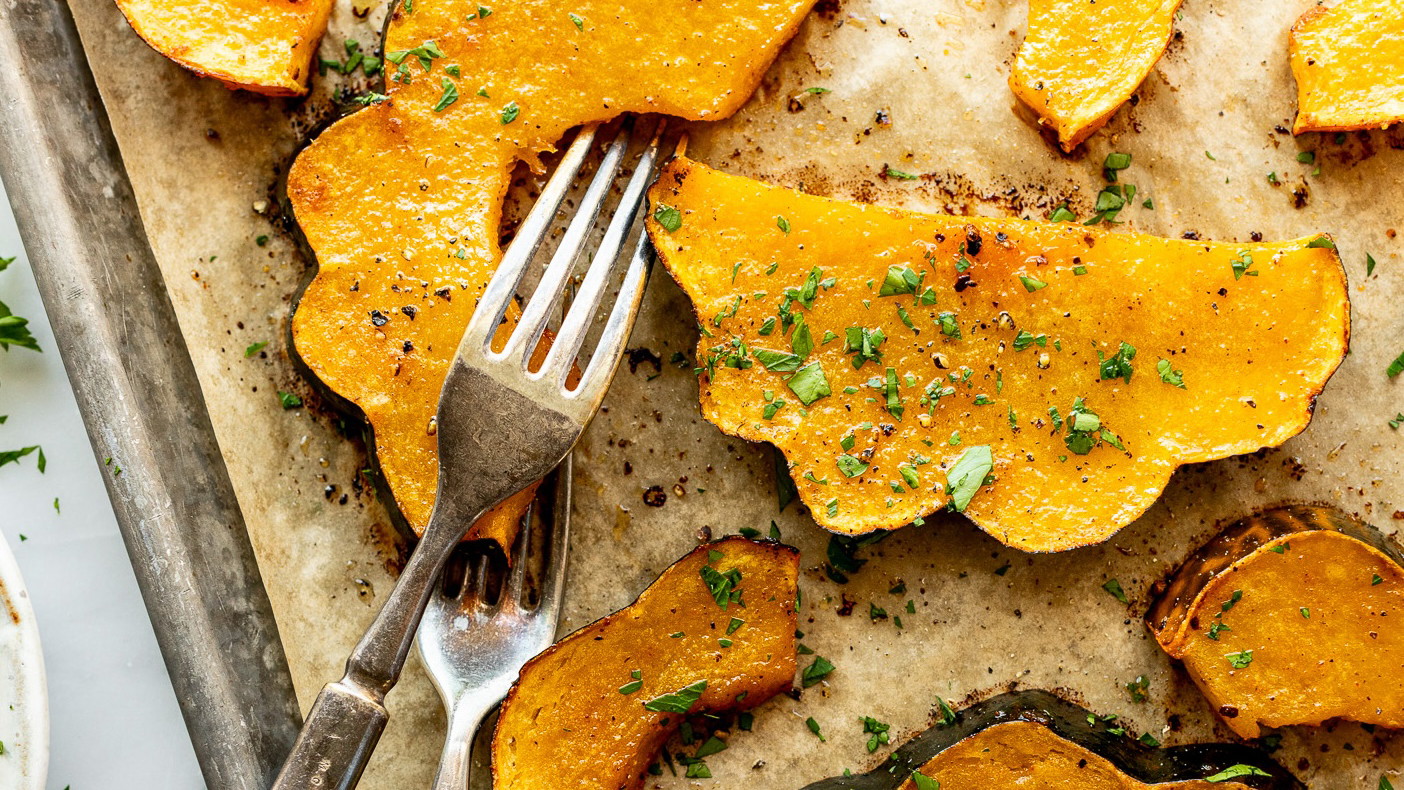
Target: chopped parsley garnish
<point>783,224</point>
<point>777,361</point>
<point>633,685</point>
<point>1062,214</point>
<point>1241,659</point>
<point>899,280</point>
<point>289,400</point>
<point>814,728</point>
<point>254,348</point>
<point>1243,265</point>
<point>809,383</point>
<point>893,172</point>
<point>1306,157</point>
<point>1118,366</point>
<point>724,585</point>
<point>863,344</point>
<point>1025,339</point>
<point>924,782</point>
<point>1032,284</point>
<point>733,626</point>
<point>1083,427</point>
<point>510,113</point>
<point>1114,587</point>
<point>877,731</point>
<point>894,397</point>
<point>1236,772</point>
<point>1231,602</point>
<point>1113,163</point>
<point>1215,628</point>
<point>1138,688</point>
<point>948,324</point>
<point>1321,242</point>
<point>851,466</point>
<point>1374,578</point>
<point>667,217</point>
<point>578,20</point>
<point>816,671</point>
<point>968,474</point>
<point>449,96</point>
<point>1369,264</point>
<point>680,701</point>
<point>1395,368</point>
<point>1306,613</point>
<point>1175,378</point>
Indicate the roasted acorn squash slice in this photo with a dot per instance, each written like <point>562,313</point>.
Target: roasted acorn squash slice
<point>1349,65</point>
<point>1032,739</point>
<point>265,46</point>
<point>1081,59</point>
<point>715,632</point>
<point>401,201</point>
<point>901,360</point>
<point>1290,617</point>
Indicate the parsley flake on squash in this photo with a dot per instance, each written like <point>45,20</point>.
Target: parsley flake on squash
<point>1067,428</point>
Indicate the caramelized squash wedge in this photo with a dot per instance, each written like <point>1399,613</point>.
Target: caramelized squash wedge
<point>1081,59</point>
<point>714,633</point>
<point>265,46</point>
<point>1033,739</point>
<point>1046,379</point>
<point>401,201</point>
<point>1288,617</point>
<point>1349,65</point>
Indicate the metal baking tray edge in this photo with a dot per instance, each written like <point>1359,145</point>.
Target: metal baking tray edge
<point>141,402</point>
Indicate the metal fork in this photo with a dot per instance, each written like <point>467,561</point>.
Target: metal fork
<point>501,425</point>
<point>473,648</point>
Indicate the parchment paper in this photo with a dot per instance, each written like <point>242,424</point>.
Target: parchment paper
<point>1206,129</point>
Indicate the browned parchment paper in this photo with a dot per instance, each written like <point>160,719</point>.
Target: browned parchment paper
<point>1206,129</point>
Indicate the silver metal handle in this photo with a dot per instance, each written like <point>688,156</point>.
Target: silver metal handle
<point>349,715</point>
<point>342,729</point>
<point>466,715</point>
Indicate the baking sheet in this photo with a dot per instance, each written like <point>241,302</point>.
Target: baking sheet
<point>1203,133</point>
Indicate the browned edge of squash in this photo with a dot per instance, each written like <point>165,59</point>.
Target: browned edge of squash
<point>1175,595</point>
<point>1073,723</point>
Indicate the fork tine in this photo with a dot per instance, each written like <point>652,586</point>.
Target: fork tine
<point>557,366</point>
<point>548,291</point>
<point>621,322</point>
<point>517,573</point>
<point>480,579</point>
<point>553,578</point>
<point>497,296</point>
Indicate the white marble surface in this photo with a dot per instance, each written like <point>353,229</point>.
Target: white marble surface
<point>114,720</point>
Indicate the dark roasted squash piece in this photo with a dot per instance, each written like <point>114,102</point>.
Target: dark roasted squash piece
<point>714,633</point>
<point>1035,740</point>
<point>1290,617</point>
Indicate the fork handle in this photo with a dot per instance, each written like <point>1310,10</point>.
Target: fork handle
<point>454,764</point>
<point>336,741</point>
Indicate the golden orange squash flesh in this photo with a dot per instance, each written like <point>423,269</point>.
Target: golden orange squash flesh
<point>580,715</point>
<point>265,46</point>
<point>997,329</point>
<point>1349,65</point>
<point>401,201</point>
<point>1292,627</point>
<point>1025,754</point>
<point>1081,59</point>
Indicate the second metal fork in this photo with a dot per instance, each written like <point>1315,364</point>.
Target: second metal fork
<point>502,423</point>
<point>474,645</point>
